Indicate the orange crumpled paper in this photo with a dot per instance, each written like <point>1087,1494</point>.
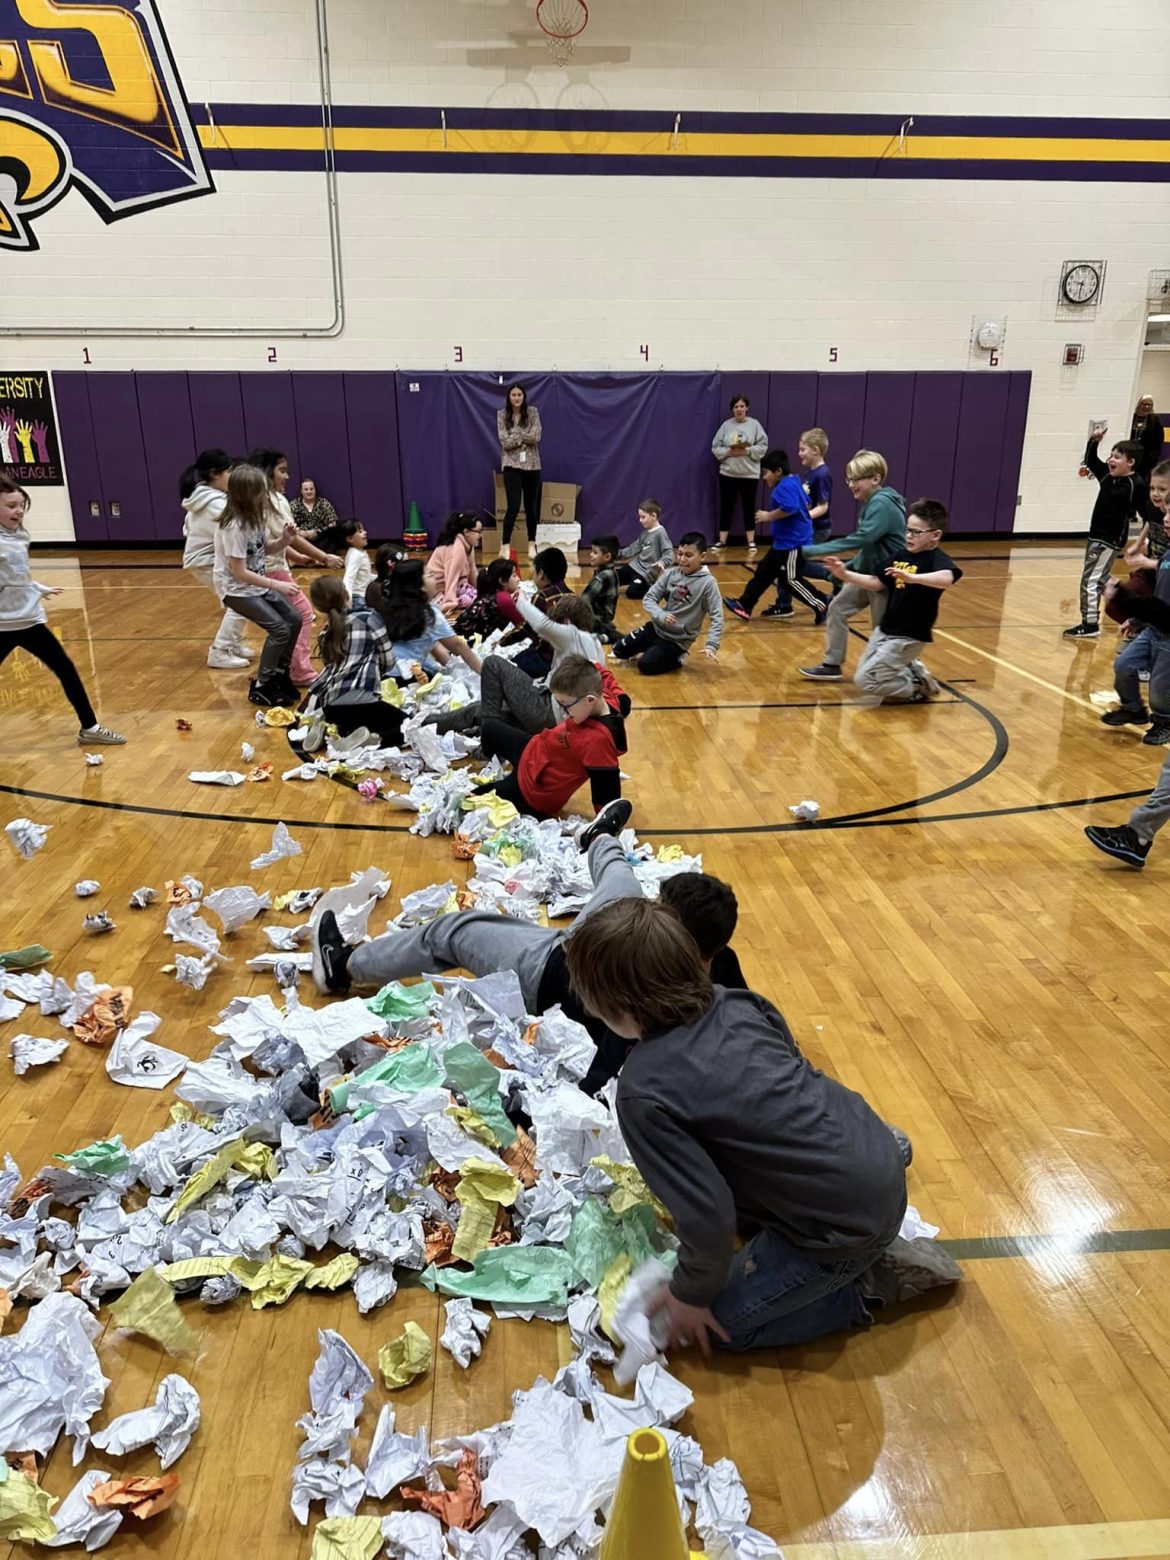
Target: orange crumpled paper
<point>109,1013</point>
<point>464,849</point>
<point>5,1307</point>
<point>182,725</point>
<point>461,1507</point>
<point>28,1195</point>
<point>26,1463</point>
<point>520,1158</point>
<point>142,1497</point>
<point>261,772</point>
<point>440,1238</point>
<point>178,893</point>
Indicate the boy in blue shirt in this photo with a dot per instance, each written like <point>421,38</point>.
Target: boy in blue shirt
<point>791,530</point>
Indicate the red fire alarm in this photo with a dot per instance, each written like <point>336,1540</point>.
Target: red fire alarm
<point>1074,354</point>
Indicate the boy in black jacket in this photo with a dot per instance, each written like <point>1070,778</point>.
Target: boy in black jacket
<point>1122,497</point>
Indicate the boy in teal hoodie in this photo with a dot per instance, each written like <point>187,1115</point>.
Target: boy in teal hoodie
<point>879,537</point>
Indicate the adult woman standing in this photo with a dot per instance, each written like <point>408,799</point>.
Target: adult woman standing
<point>1147,431</point>
<point>312,514</point>
<point>518,430</point>
<point>739,446</point>
<point>203,494</point>
<point>450,571</point>
<point>274,465</point>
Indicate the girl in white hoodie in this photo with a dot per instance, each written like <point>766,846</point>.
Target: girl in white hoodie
<point>203,491</point>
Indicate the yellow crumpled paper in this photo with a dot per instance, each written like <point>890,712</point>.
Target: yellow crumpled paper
<point>630,1190</point>
<point>149,1307</point>
<point>252,1158</point>
<point>406,1357</point>
<point>24,1510</point>
<point>347,1538</point>
<point>392,693</point>
<point>271,1282</point>
<point>484,1186</point>
<point>499,810</point>
<point>332,1275</point>
<point>181,1111</point>
<point>668,854</point>
<point>472,1123</point>
<point>609,1291</point>
<point>279,717</point>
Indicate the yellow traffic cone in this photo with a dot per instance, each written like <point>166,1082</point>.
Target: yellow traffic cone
<point>644,1521</point>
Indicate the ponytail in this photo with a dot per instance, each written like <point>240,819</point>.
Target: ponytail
<point>207,463</point>
<point>329,595</point>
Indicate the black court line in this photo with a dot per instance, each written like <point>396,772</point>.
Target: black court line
<point>999,1246</point>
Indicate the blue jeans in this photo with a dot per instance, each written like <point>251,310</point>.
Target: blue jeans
<point>1149,652</point>
<point>777,1294</point>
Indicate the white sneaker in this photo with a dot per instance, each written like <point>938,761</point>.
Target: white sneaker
<point>225,660</point>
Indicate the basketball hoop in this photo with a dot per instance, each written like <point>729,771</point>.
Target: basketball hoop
<point>562,22</point>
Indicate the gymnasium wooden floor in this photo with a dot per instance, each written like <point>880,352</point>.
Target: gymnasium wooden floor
<point>946,942</point>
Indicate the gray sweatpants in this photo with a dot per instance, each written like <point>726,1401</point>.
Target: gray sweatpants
<point>886,668</point>
<point>1098,565</point>
<point>848,600</point>
<point>1147,819</point>
<point>483,941</point>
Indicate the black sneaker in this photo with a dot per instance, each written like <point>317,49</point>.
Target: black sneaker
<point>1082,631</point>
<point>905,1147</point>
<point>735,605</point>
<point>266,694</point>
<point>907,1269</point>
<point>825,672</point>
<point>611,819</point>
<point>1126,717</point>
<point>779,612</point>
<point>331,955</point>
<point>1121,842</point>
<point>1159,732</point>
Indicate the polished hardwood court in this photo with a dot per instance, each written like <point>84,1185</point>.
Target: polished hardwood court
<point>944,940</point>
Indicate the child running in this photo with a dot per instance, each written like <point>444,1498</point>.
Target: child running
<point>915,577</point>
<point>24,623</point>
<point>1121,497</point>
<point>730,1125</point>
<point>645,559</point>
<point>677,603</point>
<point>203,494</point>
<point>791,531</point>
<point>603,588</point>
<point>243,542</point>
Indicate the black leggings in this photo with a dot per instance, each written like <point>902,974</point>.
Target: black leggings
<point>521,484</point>
<point>781,566</point>
<point>376,716</point>
<point>741,491</point>
<point>41,642</point>
<point>637,583</point>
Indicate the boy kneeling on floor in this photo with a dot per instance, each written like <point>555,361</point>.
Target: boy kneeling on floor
<point>729,1124</point>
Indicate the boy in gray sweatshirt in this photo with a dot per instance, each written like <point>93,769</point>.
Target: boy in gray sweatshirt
<point>731,1126</point>
<point>677,603</point>
<point>641,563</point>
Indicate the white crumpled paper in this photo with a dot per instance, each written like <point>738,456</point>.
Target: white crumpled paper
<point>141,897</point>
<point>94,760</point>
<point>806,812</point>
<point>283,845</point>
<point>235,907</point>
<point>394,1458</point>
<point>133,1060</point>
<point>52,1378</point>
<point>26,837</point>
<point>721,1514</point>
<point>78,1522</point>
<point>170,1424</point>
<point>352,903</point>
<point>185,925</point>
<point>247,752</point>
<point>342,1487</point>
<point>86,888</point>
<point>642,1337</point>
<point>30,1051</point>
<point>193,972</point>
<point>322,1032</point>
<point>465,1331</point>
<point>216,777</point>
<point>414,1535</point>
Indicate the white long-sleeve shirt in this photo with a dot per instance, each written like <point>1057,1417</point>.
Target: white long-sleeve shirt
<point>358,573</point>
<point>22,600</point>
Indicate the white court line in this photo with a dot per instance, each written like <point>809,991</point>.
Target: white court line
<point>1010,666</point>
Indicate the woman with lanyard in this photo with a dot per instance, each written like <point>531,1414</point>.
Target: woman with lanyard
<point>518,430</point>
<point>738,446</point>
<point>274,465</point>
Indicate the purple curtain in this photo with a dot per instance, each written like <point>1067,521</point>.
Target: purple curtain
<point>620,437</point>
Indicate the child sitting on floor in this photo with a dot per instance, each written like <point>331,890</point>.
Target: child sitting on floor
<point>644,560</point>
<point>728,1123</point>
<point>677,604</point>
<point>494,607</point>
<point>603,589</point>
<point>549,568</point>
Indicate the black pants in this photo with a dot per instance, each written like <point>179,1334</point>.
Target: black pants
<point>41,642</point>
<point>382,719</point>
<point>781,567</point>
<point>500,739</point>
<point>657,655</point>
<point>521,484</point>
<point>637,583</point>
<point>741,491</point>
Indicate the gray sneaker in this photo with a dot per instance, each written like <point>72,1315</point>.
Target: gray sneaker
<point>905,1147</point>
<point>907,1269</point>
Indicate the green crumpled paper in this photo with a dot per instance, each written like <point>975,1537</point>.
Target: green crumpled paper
<point>347,1538</point>
<point>413,1068</point>
<point>149,1307</point>
<point>479,1082</point>
<point>402,1004</point>
<point>406,1357</point>
<point>599,1237</point>
<point>24,958</point>
<point>484,1187</point>
<point>513,1275</point>
<point>108,1156</point>
<point>24,1510</point>
<point>630,1190</point>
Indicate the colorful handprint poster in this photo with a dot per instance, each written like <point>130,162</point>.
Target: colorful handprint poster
<point>29,450</point>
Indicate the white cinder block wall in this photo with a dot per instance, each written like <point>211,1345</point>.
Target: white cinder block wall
<point>577,272</point>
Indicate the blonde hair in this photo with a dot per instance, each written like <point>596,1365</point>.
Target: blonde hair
<point>816,439</point>
<point>247,498</point>
<point>867,463</point>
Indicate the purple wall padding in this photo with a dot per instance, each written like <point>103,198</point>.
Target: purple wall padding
<point>168,438</point>
<point>113,405</point>
<point>620,437</point>
<point>841,413</point>
<point>934,431</point>
<point>975,486</point>
<point>322,439</point>
<point>75,431</point>
<point>792,407</point>
<point>1011,454</point>
<point>889,398</point>
<point>270,419</point>
<point>371,415</point>
<point>217,413</point>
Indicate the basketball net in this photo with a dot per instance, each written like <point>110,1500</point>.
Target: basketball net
<point>562,22</point>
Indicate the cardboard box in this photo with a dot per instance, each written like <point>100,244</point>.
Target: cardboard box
<point>558,503</point>
<point>566,537</point>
